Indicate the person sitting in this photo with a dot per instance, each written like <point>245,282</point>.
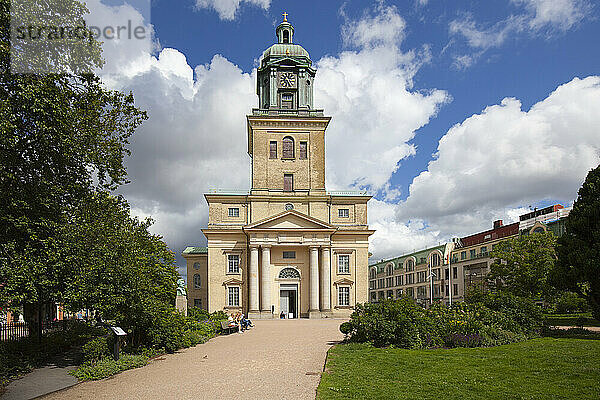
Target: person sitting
<point>231,321</point>
<point>245,323</point>
<point>238,321</point>
<point>282,315</point>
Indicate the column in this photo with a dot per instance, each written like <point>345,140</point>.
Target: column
<point>326,279</point>
<point>314,279</point>
<point>265,282</point>
<point>253,280</point>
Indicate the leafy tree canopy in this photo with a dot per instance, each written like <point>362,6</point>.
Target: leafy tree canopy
<point>578,266</point>
<point>523,265</point>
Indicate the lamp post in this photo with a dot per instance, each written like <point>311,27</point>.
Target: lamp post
<point>431,276</point>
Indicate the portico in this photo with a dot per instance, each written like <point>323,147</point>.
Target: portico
<point>294,238</point>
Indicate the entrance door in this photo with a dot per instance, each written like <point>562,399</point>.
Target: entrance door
<point>288,300</point>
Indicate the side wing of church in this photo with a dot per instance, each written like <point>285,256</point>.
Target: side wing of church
<point>288,247</point>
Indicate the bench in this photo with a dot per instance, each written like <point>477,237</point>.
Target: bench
<point>229,329</point>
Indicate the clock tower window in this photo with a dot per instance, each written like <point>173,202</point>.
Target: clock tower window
<point>287,101</point>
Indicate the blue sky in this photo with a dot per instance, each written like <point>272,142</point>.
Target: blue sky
<point>452,113</point>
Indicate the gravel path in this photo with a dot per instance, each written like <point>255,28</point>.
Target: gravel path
<point>275,360</point>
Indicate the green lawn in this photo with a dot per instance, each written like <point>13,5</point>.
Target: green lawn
<point>543,368</point>
<point>571,319</point>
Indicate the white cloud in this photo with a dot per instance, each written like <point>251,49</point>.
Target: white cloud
<point>227,9</point>
<point>369,94</point>
<point>505,157</point>
<point>535,17</point>
<point>383,27</point>
<point>559,14</point>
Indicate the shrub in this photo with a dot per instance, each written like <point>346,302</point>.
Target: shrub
<point>346,328</point>
<point>496,319</point>
<point>96,349</point>
<point>569,302</point>
<point>106,367</point>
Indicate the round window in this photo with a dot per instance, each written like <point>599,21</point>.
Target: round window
<point>197,265</point>
<point>289,206</point>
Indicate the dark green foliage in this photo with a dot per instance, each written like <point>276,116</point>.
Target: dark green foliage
<point>523,265</point>
<point>496,319</point>
<point>21,356</point>
<point>578,267</point>
<point>97,349</point>
<point>569,302</point>
<point>346,328</point>
<point>108,366</point>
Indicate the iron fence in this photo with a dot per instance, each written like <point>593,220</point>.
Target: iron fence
<point>20,330</point>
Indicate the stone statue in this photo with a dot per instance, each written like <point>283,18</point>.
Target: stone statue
<point>181,291</point>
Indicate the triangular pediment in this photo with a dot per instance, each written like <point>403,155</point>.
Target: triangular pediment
<point>290,220</point>
<point>343,281</point>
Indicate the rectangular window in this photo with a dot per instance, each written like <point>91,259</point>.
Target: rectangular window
<point>233,264</point>
<point>410,279</point>
<point>288,182</point>
<point>198,303</point>
<point>454,273</point>
<point>447,274</point>
<point>197,281</point>
<point>398,293</point>
<point>302,151</point>
<point>390,294</point>
<point>399,280</point>
<point>289,254</point>
<point>436,290</point>
<point>455,287</point>
<point>472,253</point>
<point>420,276</point>
<point>344,213</point>
<point>437,274</point>
<point>344,296</point>
<point>380,283</point>
<point>273,149</point>
<point>463,255</point>
<point>484,250</point>
<point>233,296</point>
<point>380,295</point>
<point>343,264</point>
<point>421,291</point>
<point>410,292</point>
<point>234,212</point>
<point>389,281</point>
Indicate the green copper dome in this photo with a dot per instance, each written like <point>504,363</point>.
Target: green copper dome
<point>286,49</point>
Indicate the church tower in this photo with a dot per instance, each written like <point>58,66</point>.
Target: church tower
<point>286,135</point>
<point>287,247</point>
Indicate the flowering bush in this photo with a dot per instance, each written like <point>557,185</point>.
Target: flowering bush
<point>497,319</point>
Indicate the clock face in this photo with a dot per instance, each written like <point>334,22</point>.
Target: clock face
<point>287,79</point>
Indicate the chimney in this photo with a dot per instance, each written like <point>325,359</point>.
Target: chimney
<point>497,224</point>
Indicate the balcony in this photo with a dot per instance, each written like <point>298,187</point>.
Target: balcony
<point>285,111</point>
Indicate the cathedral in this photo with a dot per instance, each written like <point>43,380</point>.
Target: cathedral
<point>288,248</point>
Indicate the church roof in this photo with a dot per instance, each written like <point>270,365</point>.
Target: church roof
<point>195,250</point>
<point>286,50</point>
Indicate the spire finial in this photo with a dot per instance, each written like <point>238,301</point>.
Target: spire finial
<point>285,15</point>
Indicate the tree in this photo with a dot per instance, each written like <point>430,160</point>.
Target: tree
<point>63,138</point>
<point>523,265</point>
<point>578,267</point>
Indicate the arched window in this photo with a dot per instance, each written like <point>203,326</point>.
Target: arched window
<point>197,281</point>
<point>435,260</point>
<point>539,229</point>
<point>288,147</point>
<point>289,273</point>
<point>410,265</point>
<point>286,36</point>
<point>389,269</point>
<point>373,273</point>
